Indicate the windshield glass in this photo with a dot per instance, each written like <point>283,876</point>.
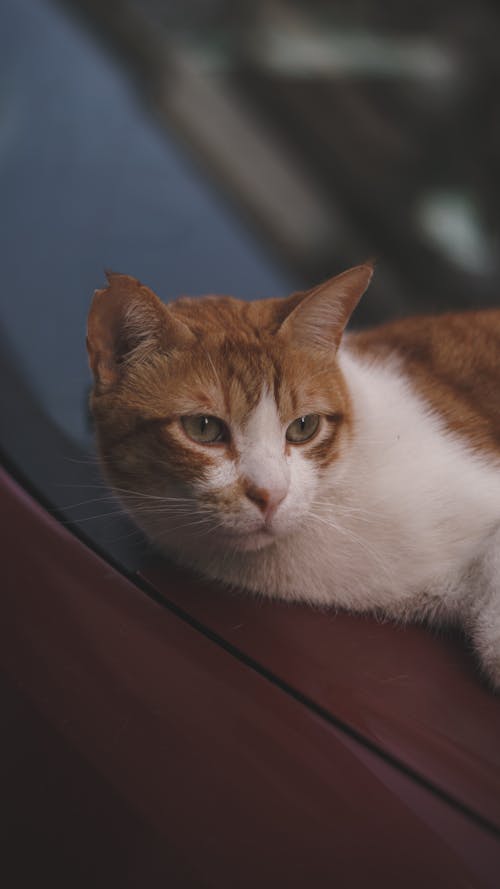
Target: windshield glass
<point>88,183</point>
<point>250,148</point>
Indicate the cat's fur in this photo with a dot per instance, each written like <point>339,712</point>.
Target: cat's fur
<point>394,506</point>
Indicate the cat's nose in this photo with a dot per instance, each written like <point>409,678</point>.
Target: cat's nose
<point>267,499</point>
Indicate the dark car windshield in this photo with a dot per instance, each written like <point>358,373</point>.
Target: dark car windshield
<point>232,148</point>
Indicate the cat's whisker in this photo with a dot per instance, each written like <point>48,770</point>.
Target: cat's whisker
<point>132,493</point>
<point>356,540</point>
<point>138,506</point>
<point>104,499</point>
<point>142,510</point>
<point>149,496</point>
<point>202,521</point>
<point>84,461</point>
<point>197,527</point>
<point>91,518</point>
<point>146,547</point>
<point>344,504</point>
<point>94,460</point>
<point>213,528</point>
<point>338,507</point>
<point>357,513</point>
<point>95,486</point>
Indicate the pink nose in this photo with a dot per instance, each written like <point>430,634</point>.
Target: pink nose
<point>266,499</point>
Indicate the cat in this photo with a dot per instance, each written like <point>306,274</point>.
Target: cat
<point>263,446</point>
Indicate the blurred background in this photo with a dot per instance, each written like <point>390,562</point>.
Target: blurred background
<point>244,148</point>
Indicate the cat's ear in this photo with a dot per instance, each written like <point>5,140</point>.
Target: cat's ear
<point>318,319</point>
<point>126,322</point>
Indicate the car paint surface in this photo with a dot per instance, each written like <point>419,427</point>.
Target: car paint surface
<point>139,752</point>
<point>412,692</point>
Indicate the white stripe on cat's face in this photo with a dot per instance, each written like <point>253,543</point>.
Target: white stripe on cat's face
<point>261,449</point>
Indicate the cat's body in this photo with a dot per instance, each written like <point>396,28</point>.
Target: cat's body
<point>392,504</point>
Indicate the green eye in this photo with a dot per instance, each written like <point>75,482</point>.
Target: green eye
<point>205,430</point>
<point>303,428</point>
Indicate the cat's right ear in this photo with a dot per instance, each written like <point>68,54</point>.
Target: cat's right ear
<point>127,322</point>
<point>317,319</point>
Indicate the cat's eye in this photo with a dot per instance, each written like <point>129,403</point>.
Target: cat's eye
<point>205,429</point>
<point>303,428</point>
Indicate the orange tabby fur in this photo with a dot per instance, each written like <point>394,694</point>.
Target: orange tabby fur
<point>453,362</point>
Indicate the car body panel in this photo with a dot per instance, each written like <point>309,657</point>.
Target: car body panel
<point>224,779</point>
<point>413,693</point>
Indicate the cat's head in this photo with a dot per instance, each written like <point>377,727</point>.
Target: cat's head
<point>218,420</point>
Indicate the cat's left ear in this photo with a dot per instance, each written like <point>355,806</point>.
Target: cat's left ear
<point>127,322</point>
<point>319,319</point>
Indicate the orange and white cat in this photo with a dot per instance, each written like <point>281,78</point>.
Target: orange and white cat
<point>257,444</point>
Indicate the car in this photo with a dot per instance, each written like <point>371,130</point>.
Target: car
<point>158,730</point>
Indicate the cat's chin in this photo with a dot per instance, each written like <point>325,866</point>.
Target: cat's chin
<point>224,542</point>
<point>245,543</point>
